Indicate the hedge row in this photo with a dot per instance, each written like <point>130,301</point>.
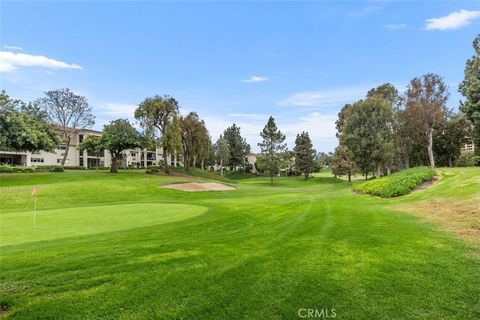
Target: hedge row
<point>397,184</point>
<point>20,169</point>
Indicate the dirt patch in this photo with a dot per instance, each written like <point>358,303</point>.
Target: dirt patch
<point>459,216</point>
<point>426,184</point>
<point>198,186</point>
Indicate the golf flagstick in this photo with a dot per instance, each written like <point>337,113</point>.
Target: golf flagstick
<point>34,195</point>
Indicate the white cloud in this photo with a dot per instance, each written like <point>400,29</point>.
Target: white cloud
<point>452,21</point>
<point>393,27</point>
<point>120,110</point>
<point>255,79</point>
<point>10,61</point>
<point>369,9</point>
<point>326,98</point>
<point>13,48</point>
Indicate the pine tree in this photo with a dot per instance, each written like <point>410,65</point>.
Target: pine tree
<point>304,154</point>
<point>237,145</point>
<point>272,147</point>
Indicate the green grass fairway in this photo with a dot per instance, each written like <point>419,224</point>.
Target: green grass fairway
<point>79,221</point>
<point>119,247</point>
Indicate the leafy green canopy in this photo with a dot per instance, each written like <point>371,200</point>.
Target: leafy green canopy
<point>222,152</point>
<point>342,163</point>
<point>470,88</point>
<point>159,117</point>
<point>118,136</point>
<point>367,133</point>
<point>23,127</point>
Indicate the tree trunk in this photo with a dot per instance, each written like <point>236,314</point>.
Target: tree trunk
<point>165,160</point>
<point>202,164</point>
<point>306,175</point>
<point>194,161</point>
<point>221,167</point>
<point>66,152</point>
<point>430,147</point>
<point>97,162</point>
<point>349,177</point>
<point>113,168</point>
<point>187,161</point>
<point>366,175</point>
<point>378,171</point>
<point>450,162</point>
<point>271,177</point>
<point>407,162</point>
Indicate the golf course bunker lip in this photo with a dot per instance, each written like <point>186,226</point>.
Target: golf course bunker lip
<point>198,186</point>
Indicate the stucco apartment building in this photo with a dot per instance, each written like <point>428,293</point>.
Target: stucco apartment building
<point>140,158</point>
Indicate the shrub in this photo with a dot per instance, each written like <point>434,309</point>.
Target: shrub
<point>152,169</point>
<point>21,169</point>
<point>6,169</point>
<point>467,159</point>
<point>49,169</point>
<point>74,168</point>
<point>99,168</point>
<point>397,184</point>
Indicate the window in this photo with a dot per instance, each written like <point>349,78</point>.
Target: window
<point>62,148</point>
<point>81,162</point>
<point>133,154</point>
<point>469,147</point>
<point>59,160</point>
<point>80,137</point>
<point>38,160</point>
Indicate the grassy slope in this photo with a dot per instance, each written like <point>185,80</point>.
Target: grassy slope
<point>452,203</point>
<point>259,252</point>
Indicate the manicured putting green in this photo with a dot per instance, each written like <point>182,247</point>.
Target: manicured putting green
<point>18,227</point>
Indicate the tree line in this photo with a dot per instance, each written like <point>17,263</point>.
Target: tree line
<point>388,131</point>
<point>385,131</point>
<point>55,118</point>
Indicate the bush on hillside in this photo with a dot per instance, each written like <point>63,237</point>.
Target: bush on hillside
<point>397,184</point>
<point>74,168</point>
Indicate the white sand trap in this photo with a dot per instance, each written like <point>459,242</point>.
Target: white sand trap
<point>198,186</point>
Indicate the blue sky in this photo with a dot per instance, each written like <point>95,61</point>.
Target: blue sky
<point>233,62</point>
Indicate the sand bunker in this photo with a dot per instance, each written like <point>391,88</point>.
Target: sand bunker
<point>198,186</point>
